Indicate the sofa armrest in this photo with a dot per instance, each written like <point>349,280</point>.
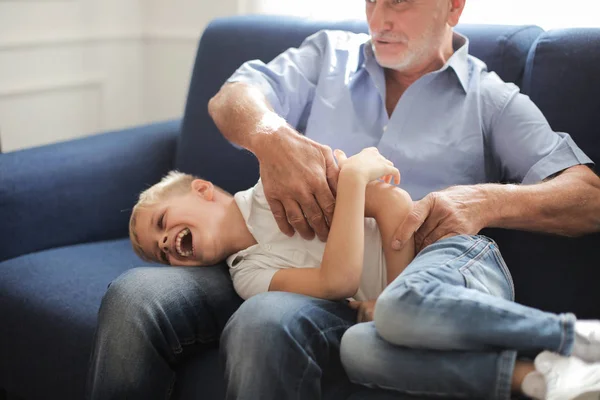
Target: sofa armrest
<point>81,190</point>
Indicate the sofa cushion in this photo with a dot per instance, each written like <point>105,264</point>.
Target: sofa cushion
<point>227,43</point>
<point>79,191</point>
<point>48,308</point>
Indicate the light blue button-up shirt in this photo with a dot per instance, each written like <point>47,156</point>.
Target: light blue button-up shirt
<point>458,125</point>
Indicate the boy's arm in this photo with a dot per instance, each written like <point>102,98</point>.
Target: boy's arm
<point>339,275</point>
<point>390,205</point>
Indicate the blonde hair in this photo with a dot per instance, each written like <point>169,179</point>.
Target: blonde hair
<point>173,183</point>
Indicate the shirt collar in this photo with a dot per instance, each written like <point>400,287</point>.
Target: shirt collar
<point>459,61</point>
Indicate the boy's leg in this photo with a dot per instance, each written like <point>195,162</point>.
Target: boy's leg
<point>282,345</point>
<point>457,295</point>
<point>148,320</point>
<point>371,361</point>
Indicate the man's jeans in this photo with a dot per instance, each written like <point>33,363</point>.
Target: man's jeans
<point>149,321</point>
<point>447,326</point>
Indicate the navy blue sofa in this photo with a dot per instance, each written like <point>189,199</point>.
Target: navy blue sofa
<point>64,208</point>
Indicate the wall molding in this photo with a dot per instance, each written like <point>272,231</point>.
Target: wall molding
<point>173,36</point>
<point>67,40</point>
<point>55,85</point>
<point>71,40</point>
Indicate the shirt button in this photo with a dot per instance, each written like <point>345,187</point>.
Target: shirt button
<point>268,247</point>
<point>385,128</point>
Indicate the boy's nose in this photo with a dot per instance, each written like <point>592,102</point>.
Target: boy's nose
<point>165,246</point>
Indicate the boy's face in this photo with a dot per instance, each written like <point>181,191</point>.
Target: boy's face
<point>177,231</point>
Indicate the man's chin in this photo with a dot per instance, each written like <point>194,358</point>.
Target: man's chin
<point>392,61</point>
<point>397,65</point>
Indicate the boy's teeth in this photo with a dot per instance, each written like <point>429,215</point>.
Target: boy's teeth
<point>178,244</point>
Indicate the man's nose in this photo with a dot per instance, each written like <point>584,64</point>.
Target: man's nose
<point>379,19</point>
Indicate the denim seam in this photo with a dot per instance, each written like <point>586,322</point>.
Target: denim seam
<point>566,332</point>
<point>464,253</point>
<point>498,256</point>
<point>319,333</point>
<point>438,297</point>
<point>195,339</point>
<point>491,248</point>
<point>506,364</point>
<point>413,392</point>
<point>473,259</point>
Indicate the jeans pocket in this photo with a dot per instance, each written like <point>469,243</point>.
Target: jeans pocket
<point>485,274</point>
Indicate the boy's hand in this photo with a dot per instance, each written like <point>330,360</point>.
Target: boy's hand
<point>365,310</point>
<point>370,165</point>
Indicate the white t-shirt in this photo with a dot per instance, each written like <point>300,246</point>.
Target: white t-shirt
<point>253,268</point>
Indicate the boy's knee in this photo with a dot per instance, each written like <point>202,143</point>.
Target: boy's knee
<point>361,352</point>
<point>399,315</point>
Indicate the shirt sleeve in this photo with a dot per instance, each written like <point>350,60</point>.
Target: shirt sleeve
<point>289,81</point>
<point>525,147</point>
<point>250,280</point>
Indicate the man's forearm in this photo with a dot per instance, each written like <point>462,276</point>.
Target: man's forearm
<point>244,116</point>
<point>566,205</point>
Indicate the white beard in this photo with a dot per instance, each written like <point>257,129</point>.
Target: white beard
<point>411,56</point>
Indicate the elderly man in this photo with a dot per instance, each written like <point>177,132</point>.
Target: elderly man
<point>410,89</point>
<point>451,127</point>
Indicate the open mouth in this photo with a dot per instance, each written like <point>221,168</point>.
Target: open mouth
<point>184,244</point>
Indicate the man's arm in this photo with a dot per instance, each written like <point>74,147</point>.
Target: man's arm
<point>568,204</point>
<point>258,110</point>
<point>298,174</point>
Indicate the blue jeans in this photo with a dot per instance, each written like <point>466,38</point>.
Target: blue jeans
<point>446,326</point>
<point>150,319</point>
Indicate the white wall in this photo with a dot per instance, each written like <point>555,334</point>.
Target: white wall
<point>69,68</point>
<point>172,30</point>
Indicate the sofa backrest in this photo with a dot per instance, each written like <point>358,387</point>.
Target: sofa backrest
<point>229,42</point>
<point>561,77</point>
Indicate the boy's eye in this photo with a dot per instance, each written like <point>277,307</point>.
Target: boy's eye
<point>160,221</point>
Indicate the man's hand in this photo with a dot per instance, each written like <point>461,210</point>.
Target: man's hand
<point>299,177</point>
<point>365,310</point>
<point>457,210</point>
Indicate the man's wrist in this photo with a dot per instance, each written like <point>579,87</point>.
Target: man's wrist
<point>265,140</point>
<point>499,205</point>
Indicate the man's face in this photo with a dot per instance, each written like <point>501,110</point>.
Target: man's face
<point>179,231</point>
<point>406,33</point>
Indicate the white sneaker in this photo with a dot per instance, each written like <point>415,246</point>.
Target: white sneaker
<point>568,378</point>
<point>587,341</point>
<point>534,385</point>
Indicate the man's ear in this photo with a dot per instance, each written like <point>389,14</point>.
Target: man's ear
<point>456,10</point>
<point>203,188</point>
